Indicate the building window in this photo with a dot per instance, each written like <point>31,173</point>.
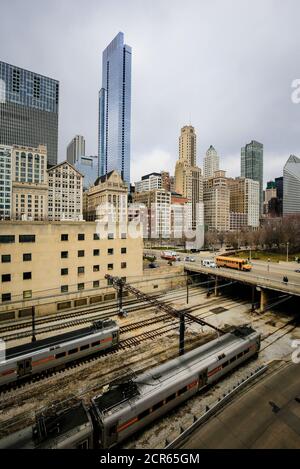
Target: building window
<point>80,270</point>
<point>96,284</point>
<point>64,289</point>
<point>64,237</point>
<point>7,239</point>
<point>81,237</point>
<point>27,239</point>
<point>27,257</point>
<point>6,278</point>
<point>110,252</point>
<point>123,265</point>
<point>6,297</point>
<point>123,236</point>
<point>6,258</point>
<point>80,253</point>
<point>27,276</point>
<point>27,294</point>
<point>96,237</point>
<point>109,282</point>
<point>64,271</point>
<point>80,286</point>
<point>64,254</point>
<point>110,267</point>
<point>123,250</point>
<point>96,252</point>
<point>110,236</point>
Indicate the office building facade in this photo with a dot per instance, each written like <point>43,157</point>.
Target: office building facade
<point>291,186</point>
<point>115,110</point>
<point>65,193</point>
<point>29,105</point>
<point>211,162</point>
<point>76,149</point>
<point>252,166</point>
<point>88,167</point>
<point>5,182</point>
<point>188,177</point>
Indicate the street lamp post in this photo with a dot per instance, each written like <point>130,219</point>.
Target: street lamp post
<point>287,251</point>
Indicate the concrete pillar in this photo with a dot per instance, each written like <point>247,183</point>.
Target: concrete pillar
<point>216,286</point>
<point>263,300</point>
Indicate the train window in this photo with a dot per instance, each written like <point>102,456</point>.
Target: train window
<point>157,406</point>
<point>115,334</point>
<point>240,355</point>
<point>246,351</point>
<point>170,398</point>
<point>144,414</point>
<point>74,350</point>
<point>60,355</point>
<point>182,391</point>
<point>232,359</point>
<point>85,347</point>
<point>94,344</point>
<point>225,364</point>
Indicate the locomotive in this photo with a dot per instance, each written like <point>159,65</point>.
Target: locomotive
<point>132,403</point>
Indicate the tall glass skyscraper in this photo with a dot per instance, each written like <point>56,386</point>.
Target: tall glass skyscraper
<point>115,109</point>
<point>252,166</point>
<point>28,110</point>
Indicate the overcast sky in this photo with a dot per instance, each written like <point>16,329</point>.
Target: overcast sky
<point>226,66</point>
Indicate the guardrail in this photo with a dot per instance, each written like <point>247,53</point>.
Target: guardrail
<point>210,411</point>
<point>254,279</point>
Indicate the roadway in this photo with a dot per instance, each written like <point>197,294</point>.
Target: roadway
<point>262,272</point>
<point>266,415</point>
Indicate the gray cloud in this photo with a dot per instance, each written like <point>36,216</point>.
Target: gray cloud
<point>225,65</point>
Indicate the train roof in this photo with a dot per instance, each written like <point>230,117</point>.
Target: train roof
<point>145,384</point>
<point>58,339</point>
<point>50,430</point>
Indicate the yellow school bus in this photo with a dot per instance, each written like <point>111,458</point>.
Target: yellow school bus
<point>233,263</point>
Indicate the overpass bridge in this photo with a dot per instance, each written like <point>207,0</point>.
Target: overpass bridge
<point>263,284</point>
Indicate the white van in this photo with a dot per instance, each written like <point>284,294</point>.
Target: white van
<point>209,263</point>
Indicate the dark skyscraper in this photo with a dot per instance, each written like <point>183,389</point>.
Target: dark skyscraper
<point>115,109</point>
<point>28,109</point>
<point>252,166</point>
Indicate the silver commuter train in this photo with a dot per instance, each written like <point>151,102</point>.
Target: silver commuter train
<point>129,406</point>
<point>30,359</point>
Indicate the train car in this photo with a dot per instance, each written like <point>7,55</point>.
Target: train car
<point>67,429</point>
<point>127,407</point>
<point>55,352</point>
<point>233,263</point>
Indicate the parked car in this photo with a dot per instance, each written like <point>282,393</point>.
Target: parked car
<point>298,271</point>
<point>152,265</point>
<point>190,259</point>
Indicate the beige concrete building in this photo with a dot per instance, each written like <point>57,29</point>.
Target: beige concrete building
<point>157,222</point>
<point>29,183</point>
<point>216,195</point>
<point>188,178</point>
<point>65,193</point>
<point>61,265</point>
<point>244,200</point>
<point>108,198</point>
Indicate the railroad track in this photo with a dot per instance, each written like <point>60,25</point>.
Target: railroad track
<point>88,320</point>
<point>172,324</point>
<point>91,310</point>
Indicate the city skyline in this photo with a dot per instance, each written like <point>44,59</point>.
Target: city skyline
<point>215,103</point>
